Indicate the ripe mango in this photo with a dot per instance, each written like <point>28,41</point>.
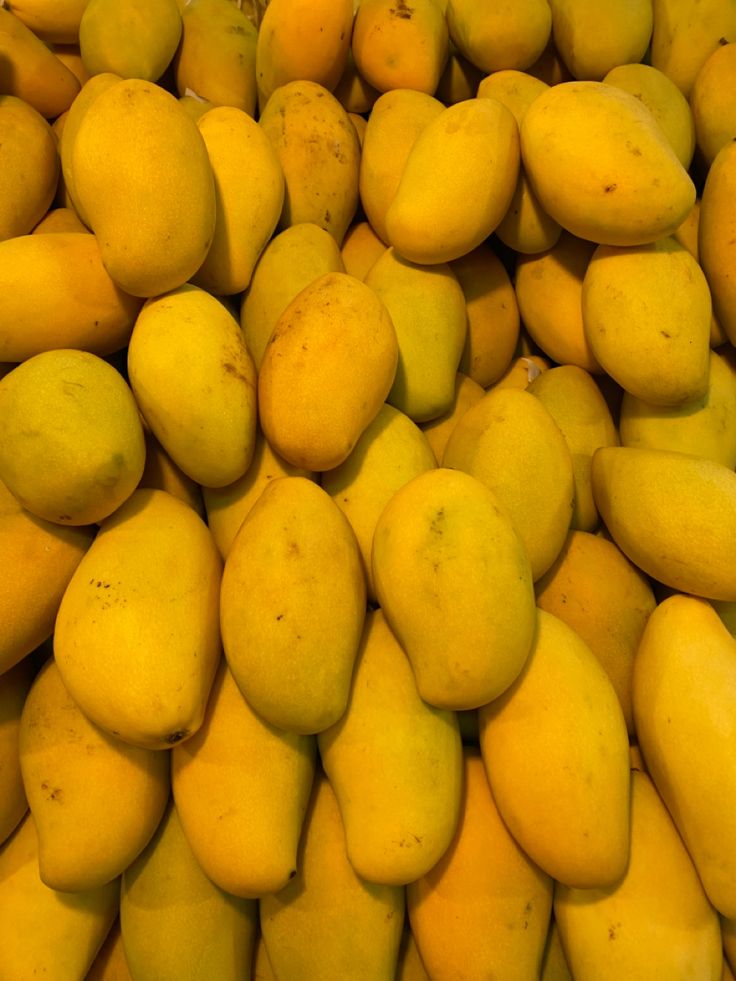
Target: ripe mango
<point>717,238</point>
<point>30,171</point>
<point>137,39</point>
<point>495,37</point>
<point>593,38</point>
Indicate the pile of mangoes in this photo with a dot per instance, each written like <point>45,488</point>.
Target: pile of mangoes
<point>367,490</point>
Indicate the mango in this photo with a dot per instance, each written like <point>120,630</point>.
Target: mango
<point>716,239</point>
<point>360,248</point>
<point>30,170</point>
<point>134,40</point>
<point>437,431</point>
<point>685,33</point>
<point>713,115</point>
<point>594,38</point>
<point>14,685</point>
<point>55,23</point>
<point>497,37</point>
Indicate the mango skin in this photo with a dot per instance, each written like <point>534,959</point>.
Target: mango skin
<point>30,170</point>
<point>717,236</point>
<point>14,685</point>
<point>593,38</point>
<point>502,36</point>
<point>134,40</point>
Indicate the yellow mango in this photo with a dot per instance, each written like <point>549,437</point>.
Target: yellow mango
<point>216,57</point>
<point>663,99</point>
<point>684,680</point>
<point>410,966</point>
<point>713,113</point>
<point>302,40</point>
<point>96,801</point>
<point>555,744</point>
<point>352,91</point>
<point>454,582</point>
<point>330,363</point>
<point>165,893</point>
<point>30,169</point>
<point>593,38</point>
<point>554,961</point>
<point>672,514</point>
<point>601,166</point>
<point>137,634</point>
<point>549,66</point>
<point>717,238</point>
<point>494,37</point>
<point>396,119</point>
<point>60,219</point>
<point>685,33</point>
<point>241,788</point>
<point>437,431</point>
<point>457,182</point>
<point>328,922</point>
<point>87,311</point>
<point>55,23</point>
<point>484,903</point>
<point>515,88</point>
<point>44,930</point>
<point>656,922</point>
<point>193,104</point>
<point>646,315</point>
<point>14,685</point>
<point>395,765</point>
<point>69,54</point>
<point>249,189</point>
<point>360,248</point>
<point>400,46</point>
<point>687,234</point>
<point>88,440</point>
<point>161,473</point>
<point>459,79</point>
<point>427,308</point>
<point>535,486</point>
<point>301,620</point>
<point>160,168</point>
<point>521,372</point>
<point>319,151</point>
<point>110,963</point>
<point>137,39</point>
<point>291,260</point>
<point>606,600</point>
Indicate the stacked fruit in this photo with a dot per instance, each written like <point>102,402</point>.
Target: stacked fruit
<point>367,490</point>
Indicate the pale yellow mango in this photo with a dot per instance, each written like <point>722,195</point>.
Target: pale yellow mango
<point>395,765</point>
<point>457,182</point>
<point>241,788</point>
<point>137,634</point>
<point>249,193</point>
<point>593,38</point>
<point>55,23</point>
<point>453,579</point>
<point>717,236</point>
<point>319,151</point>
<point>328,922</point>
<point>137,39</point>
<point>160,169</point>
<point>330,363</point>
<point>30,170</point>
<point>165,893</point>
<point>556,753</point>
<point>601,166</point>
<point>713,112</point>
<point>683,685</point>
<point>360,248</point>
<point>96,801</point>
<point>686,33</point>
<point>88,450</point>
<point>506,35</point>
<point>656,923</point>
<point>437,431</point>
<point>292,605</point>
<point>485,903</point>
<point>672,514</point>
<point>510,442</point>
<point>14,685</point>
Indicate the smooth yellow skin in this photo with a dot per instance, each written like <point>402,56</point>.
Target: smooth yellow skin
<point>165,893</point>
<point>663,99</point>
<point>536,487</point>
<point>556,752</point>
<point>454,581</point>
<point>138,653</point>
<point>31,71</point>
<point>319,151</point>
<point>302,40</point>
<point>686,33</point>
<point>685,722</point>
<point>42,930</point>
<point>505,35</point>
<point>437,431</point>
<point>606,600</point>
<point>647,318</point>
<point>205,415</point>
<point>250,191</point>
<point>88,311</point>
<point>360,248</point>
<point>352,91</point>
<point>161,473</point>
<point>601,165</point>
<point>484,909</point>
<point>55,23</point>
<point>717,236</point>
<point>457,182</point>
<point>395,765</point>
<point>95,800</point>
<point>687,235</point>
<point>302,936</point>
<point>656,922</point>
<point>43,556</point>
<point>330,363</point>
<point>396,119</point>
<point>30,171</point>
<point>14,685</point>
<point>110,963</point>
<point>593,38</point>
<point>672,514</point>
<point>88,452</point>
<point>400,46</point>
<point>241,788</point>
<point>160,169</point>
<point>60,219</point>
<point>292,605</point>
<point>410,966</point>
<point>427,308</point>
<point>291,260</point>
<point>137,39</point>
<point>713,113</point>
<point>554,962</point>
<point>390,452</point>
